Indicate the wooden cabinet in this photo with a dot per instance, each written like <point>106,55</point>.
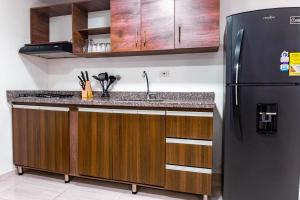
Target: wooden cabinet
<point>157,28</point>
<point>142,25</point>
<point>139,149</point>
<point>194,154</point>
<point>187,181</point>
<point>197,23</point>
<point>193,125</point>
<point>125,25</point>
<point>172,150</point>
<point>95,131</point>
<point>123,145</point>
<point>41,138</point>
<point>189,152</point>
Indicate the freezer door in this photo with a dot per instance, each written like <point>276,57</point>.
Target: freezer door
<point>267,33</point>
<point>262,155</point>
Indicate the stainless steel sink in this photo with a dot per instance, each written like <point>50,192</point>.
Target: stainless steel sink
<point>141,100</point>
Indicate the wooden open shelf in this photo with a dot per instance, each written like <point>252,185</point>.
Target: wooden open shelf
<point>40,20</point>
<point>144,53</point>
<point>95,31</point>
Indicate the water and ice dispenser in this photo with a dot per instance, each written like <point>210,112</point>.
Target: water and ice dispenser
<point>266,118</point>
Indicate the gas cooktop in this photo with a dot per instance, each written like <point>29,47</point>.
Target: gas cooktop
<point>46,96</point>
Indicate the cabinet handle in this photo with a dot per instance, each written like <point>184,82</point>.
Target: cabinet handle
<point>136,38</point>
<point>179,33</point>
<point>145,39</point>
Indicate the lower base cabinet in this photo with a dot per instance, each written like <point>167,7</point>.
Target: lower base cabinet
<point>123,145</point>
<point>171,150</point>
<point>95,132</point>
<point>41,138</point>
<point>190,182</point>
<point>139,148</point>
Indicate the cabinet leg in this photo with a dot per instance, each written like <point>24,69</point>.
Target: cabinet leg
<point>134,189</point>
<point>20,170</point>
<point>205,197</point>
<point>67,178</point>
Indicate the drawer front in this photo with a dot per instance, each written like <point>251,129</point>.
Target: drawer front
<point>190,125</point>
<point>189,155</point>
<point>189,182</point>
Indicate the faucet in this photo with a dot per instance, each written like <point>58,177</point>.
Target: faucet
<point>149,94</point>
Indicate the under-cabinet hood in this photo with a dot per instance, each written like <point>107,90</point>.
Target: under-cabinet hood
<point>49,50</point>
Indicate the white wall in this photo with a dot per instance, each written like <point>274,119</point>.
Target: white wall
<point>195,72</point>
<point>188,73</point>
<point>16,72</point>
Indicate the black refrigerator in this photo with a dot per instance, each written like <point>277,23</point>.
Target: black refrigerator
<point>262,105</point>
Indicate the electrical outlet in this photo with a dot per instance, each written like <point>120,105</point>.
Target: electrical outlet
<point>165,74</point>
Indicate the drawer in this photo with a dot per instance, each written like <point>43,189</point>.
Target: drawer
<point>189,181</point>
<point>193,125</point>
<point>180,152</point>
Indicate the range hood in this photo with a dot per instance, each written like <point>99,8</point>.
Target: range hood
<point>49,50</point>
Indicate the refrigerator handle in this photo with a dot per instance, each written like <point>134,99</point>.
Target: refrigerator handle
<point>237,64</point>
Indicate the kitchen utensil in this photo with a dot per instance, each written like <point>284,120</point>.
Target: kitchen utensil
<point>112,79</point>
<point>102,78</point>
<point>81,82</point>
<point>82,76</point>
<point>96,77</point>
<point>87,76</point>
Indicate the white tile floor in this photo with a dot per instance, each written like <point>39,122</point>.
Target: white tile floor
<point>37,186</point>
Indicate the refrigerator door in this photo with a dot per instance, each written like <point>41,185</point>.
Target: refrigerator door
<point>262,157</point>
<point>267,34</point>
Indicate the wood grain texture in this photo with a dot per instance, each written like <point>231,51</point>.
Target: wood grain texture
<point>139,149</point>
<point>79,22</point>
<point>95,31</point>
<point>125,149</point>
<point>125,25</point>
<point>47,139</point>
<point>199,23</point>
<point>151,150</point>
<point>94,5</point>
<point>189,155</point>
<point>39,27</point>
<point>95,131</point>
<point>74,143</point>
<point>157,29</point>
<point>188,182</point>
<point>54,10</point>
<point>20,131</point>
<point>189,127</point>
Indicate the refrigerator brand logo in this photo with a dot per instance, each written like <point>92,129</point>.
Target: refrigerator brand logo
<point>269,17</point>
<point>295,20</point>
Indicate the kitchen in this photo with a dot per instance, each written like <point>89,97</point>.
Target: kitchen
<point>199,72</point>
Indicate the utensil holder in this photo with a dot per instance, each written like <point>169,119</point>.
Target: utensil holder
<point>88,92</point>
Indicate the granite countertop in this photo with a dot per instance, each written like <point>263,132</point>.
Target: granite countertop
<point>190,100</point>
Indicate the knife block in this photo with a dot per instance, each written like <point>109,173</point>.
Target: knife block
<point>87,93</point>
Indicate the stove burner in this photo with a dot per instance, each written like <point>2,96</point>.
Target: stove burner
<point>46,96</point>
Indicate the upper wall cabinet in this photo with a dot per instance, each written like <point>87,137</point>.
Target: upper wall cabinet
<point>138,27</point>
<point>125,25</point>
<point>157,27</point>
<point>197,23</point>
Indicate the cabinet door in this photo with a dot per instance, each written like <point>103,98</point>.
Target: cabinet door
<point>25,126</point>
<point>139,149</point>
<point>41,139</point>
<point>197,23</point>
<point>151,150</point>
<point>125,25</point>
<point>95,132</point>
<point>157,31</point>
<point>125,152</point>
